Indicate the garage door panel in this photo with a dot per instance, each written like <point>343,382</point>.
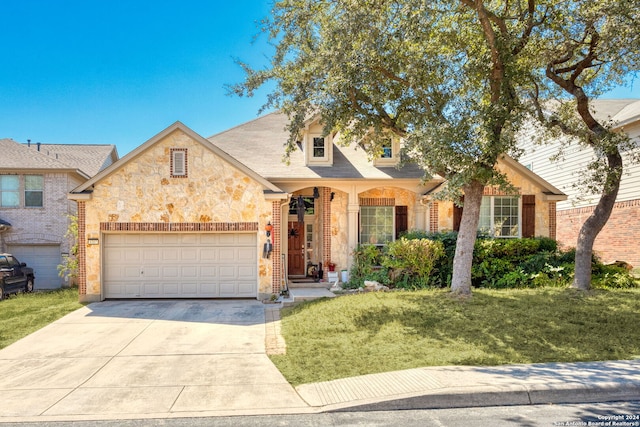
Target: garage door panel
<point>186,265</point>
<point>189,254</point>
<point>210,289</point>
<point>189,271</point>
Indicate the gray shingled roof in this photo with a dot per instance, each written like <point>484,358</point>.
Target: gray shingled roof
<point>259,144</point>
<point>89,159</point>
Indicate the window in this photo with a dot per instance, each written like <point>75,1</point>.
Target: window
<point>500,216</point>
<point>376,224</point>
<point>319,148</point>
<point>178,162</point>
<point>9,191</point>
<point>387,150</point>
<point>33,191</point>
<point>309,205</point>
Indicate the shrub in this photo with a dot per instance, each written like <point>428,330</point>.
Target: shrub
<point>612,277</point>
<point>412,261</point>
<point>367,260</point>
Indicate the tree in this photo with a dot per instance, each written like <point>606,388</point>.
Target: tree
<point>443,75</point>
<point>68,269</point>
<point>589,46</point>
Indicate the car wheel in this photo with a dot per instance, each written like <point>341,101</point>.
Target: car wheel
<point>29,286</point>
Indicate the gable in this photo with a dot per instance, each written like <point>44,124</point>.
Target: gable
<point>158,149</point>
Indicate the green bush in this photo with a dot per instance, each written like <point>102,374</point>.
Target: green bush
<point>612,277</point>
<point>367,262</point>
<point>411,261</point>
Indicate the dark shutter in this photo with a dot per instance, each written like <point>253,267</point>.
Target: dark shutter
<point>457,216</point>
<point>528,215</point>
<point>402,221</point>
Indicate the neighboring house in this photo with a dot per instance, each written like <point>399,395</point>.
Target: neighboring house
<point>619,238</point>
<point>34,182</point>
<point>183,216</point>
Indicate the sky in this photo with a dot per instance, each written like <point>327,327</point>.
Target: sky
<point>120,71</point>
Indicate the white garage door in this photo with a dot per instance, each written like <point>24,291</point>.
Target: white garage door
<point>44,260</point>
<point>189,265</point>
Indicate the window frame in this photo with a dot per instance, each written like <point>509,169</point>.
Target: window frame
<point>365,237</point>
<point>15,192</point>
<point>176,172</point>
<point>33,191</point>
<point>324,147</point>
<point>20,193</point>
<point>491,208</point>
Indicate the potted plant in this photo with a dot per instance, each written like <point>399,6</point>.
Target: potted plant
<point>331,266</point>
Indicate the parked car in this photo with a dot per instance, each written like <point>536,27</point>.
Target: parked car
<point>16,276</point>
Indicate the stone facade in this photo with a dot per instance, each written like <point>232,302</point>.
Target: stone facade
<point>143,191</point>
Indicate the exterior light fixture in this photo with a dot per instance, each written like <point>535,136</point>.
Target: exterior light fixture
<point>316,193</point>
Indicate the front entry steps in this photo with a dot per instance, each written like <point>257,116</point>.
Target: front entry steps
<point>298,295</point>
<point>306,290</point>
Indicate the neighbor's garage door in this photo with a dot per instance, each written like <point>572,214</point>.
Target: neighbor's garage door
<point>180,265</point>
<point>44,259</point>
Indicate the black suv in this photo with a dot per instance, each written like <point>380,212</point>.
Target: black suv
<point>15,275</point>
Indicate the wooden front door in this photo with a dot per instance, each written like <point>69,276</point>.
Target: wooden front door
<point>296,249</point>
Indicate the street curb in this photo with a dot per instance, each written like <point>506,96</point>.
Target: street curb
<point>469,397</point>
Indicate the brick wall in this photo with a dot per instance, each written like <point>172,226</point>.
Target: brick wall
<point>47,224</point>
<point>618,240</point>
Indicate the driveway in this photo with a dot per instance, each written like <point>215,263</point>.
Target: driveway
<point>131,359</point>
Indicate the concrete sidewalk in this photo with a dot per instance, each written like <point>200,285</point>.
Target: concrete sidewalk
<point>175,359</point>
<point>466,386</point>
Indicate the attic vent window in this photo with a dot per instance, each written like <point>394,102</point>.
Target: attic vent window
<point>179,163</point>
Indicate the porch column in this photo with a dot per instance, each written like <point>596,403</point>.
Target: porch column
<point>421,215</point>
<point>82,251</point>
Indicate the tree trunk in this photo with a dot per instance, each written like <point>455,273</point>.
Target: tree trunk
<point>596,221</point>
<point>463,258</point>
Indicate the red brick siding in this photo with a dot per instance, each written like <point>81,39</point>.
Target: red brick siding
<point>433,218</point>
<point>178,226</point>
<point>276,255</point>
<point>326,224</point>
<point>82,249</point>
<point>618,240</point>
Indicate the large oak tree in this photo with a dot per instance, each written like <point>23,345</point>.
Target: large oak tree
<point>586,48</point>
<point>443,75</point>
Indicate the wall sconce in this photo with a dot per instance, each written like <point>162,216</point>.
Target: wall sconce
<point>316,193</point>
<point>268,228</point>
<point>332,196</point>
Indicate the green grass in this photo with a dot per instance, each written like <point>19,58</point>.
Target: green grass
<point>378,332</point>
<point>23,314</point>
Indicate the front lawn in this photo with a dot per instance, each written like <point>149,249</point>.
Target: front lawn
<point>377,332</point>
<point>23,314</point>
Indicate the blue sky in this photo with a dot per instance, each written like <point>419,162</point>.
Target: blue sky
<point>120,71</point>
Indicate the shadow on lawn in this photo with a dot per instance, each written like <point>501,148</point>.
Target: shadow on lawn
<point>516,327</point>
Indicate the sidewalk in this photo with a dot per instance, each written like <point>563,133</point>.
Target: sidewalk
<point>468,386</point>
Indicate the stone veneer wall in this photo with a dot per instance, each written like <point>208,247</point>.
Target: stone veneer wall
<point>340,251</point>
<point>143,191</point>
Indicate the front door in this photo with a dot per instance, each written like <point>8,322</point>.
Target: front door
<point>296,249</point>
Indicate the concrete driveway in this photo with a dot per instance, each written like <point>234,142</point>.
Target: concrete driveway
<point>132,359</point>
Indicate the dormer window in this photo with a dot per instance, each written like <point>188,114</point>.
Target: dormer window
<point>390,153</point>
<point>387,150</point>
<point>319,148</point>
<point>178,163</point>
